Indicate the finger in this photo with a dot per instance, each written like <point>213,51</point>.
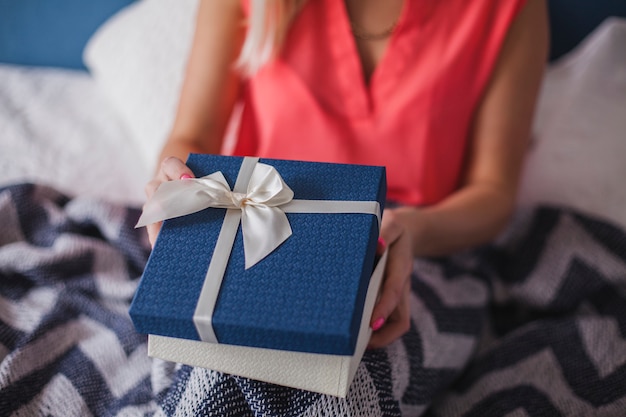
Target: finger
<point>389,234</point>
<point>153,232</point>
<point>389,299</point>
<point>173,168</point>
<point>381,246</point>
<point>397,275</point>
<point>398,324</point>
<point>151,187</point>
<point>387,335</point>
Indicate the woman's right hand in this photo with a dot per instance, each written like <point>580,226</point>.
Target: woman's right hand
<point>171,168</point>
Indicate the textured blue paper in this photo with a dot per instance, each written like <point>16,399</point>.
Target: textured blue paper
<point>306,296</point>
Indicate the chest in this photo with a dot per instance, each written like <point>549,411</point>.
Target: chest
<point>372,23</point>
<point>422,60</point>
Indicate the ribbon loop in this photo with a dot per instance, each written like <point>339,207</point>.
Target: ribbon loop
<point>264,225</point>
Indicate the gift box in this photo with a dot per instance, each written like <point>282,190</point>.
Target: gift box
<point>264,254</point>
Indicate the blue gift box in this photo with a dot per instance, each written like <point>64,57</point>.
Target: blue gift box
<point>307,295</point>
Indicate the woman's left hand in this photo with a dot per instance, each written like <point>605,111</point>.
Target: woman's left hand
<point>392,314</point>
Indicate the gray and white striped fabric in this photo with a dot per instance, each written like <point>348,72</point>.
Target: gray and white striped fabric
<point>533,326</point>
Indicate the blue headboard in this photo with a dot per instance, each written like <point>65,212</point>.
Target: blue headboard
<point>54,32</point>
<point>51,32</point>
<point>572,20</point>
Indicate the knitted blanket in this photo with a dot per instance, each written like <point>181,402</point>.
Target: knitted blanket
<point>534,325</point>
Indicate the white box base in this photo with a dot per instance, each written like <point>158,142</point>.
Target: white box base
<point>326,374</point>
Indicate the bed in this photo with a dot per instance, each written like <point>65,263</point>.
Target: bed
<point>533,325</point>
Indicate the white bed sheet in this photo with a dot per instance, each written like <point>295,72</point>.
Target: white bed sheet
<point>58,128</point>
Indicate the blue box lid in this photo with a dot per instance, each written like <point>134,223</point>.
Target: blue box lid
<point>306,296</point>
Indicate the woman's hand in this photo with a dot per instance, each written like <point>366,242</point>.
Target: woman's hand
<point>392,314</point>
<point>171,168</point>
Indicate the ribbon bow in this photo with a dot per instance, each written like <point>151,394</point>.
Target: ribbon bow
<point>264,225</point>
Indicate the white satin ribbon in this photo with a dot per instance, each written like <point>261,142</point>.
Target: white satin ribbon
<point>259,200</point>
<point>263,224</point>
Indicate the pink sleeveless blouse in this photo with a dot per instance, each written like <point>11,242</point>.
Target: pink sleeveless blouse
<point>312,103</point>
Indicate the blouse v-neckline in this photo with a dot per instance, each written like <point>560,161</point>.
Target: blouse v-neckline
<point>360,97</point>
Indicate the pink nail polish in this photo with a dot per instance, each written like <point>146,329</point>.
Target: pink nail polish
<point>378,323</point>
<point>185,177</point>
<point>381,243</point>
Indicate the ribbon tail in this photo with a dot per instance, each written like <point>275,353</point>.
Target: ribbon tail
<point>179,198</point>
<point>264,229</point>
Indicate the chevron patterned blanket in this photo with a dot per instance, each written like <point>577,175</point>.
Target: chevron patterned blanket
<point>532,326</point>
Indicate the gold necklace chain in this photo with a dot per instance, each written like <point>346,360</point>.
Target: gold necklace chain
<point>364,35</point>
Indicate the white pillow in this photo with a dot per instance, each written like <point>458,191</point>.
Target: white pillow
<point>138,58</point>
<point>578,158</point>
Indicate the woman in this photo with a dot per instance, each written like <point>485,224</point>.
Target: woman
<point>440,92</point>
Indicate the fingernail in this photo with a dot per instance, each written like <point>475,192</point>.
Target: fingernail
<point>185,177</point>
<point>381,243</point>
<point>378,323</point>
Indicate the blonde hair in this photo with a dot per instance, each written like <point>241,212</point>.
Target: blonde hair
<point>268,23</point>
